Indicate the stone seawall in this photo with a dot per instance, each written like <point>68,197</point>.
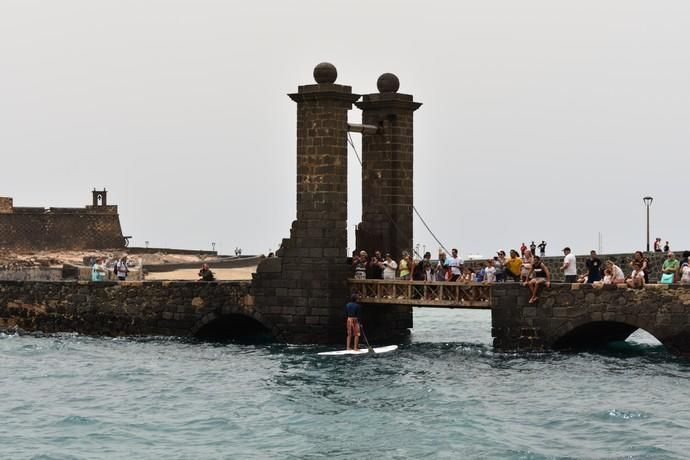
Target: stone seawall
<point>123,309</point>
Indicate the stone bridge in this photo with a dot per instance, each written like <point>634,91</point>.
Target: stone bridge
<point>132,308</point>
<point>570,316</point>
<point>566,316</point>
<point>298,296</point>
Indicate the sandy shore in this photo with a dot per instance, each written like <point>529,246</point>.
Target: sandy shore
<point>244,273</point>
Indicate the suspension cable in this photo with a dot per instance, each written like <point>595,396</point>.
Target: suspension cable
<point>433,235</point>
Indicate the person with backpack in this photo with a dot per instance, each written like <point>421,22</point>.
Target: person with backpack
<point>120,269</point>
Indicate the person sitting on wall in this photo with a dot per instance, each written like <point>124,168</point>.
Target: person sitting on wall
<point>583,278</point>
<point>617,275</point>
<point>352,324</point>
<point>121,269</point>
<point>539,275</point>
<point>205,274</point>
<point>607,279</point>
<point>526,267</point>
<point>644,264</point>
<point>636,280</point>
<point>98,270</point>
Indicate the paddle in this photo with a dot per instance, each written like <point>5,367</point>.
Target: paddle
<point>361,328</point>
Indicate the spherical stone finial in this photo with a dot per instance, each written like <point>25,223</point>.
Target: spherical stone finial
<point>388,83</point>
<point>325,73</point>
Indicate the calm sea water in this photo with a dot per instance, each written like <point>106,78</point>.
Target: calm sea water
<point>444,394</point>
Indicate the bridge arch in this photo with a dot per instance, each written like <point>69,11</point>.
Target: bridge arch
<point>233,322</point>
<point>589,332</point>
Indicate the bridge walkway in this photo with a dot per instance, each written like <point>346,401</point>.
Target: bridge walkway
<point>436,294</point>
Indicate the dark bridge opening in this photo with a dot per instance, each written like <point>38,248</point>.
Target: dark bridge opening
<point>595,335</point>
<point>238,328</point>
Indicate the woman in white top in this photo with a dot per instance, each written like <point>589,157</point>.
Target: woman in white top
<point>389,268</point>
<point>526,267</point>
<point>617,275</point>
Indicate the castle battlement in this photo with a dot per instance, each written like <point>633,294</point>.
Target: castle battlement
<point>94,226</point>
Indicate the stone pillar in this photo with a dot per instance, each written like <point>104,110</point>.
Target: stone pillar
<point>387,157</point>
<point>303,290</point>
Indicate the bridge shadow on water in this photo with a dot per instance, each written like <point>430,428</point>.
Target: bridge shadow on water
<point>237,329</point>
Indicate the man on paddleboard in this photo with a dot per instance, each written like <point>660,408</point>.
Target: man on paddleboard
<point>352,311</point>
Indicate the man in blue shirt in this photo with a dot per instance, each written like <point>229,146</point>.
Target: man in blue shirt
<point>352,311</point>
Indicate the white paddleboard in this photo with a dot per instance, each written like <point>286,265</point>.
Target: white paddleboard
<point>361,351</point>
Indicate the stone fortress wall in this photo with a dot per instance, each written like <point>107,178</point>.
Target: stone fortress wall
<point>95,226</point>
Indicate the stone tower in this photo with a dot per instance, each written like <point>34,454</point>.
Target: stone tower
<point>100,197</point>
<point>387,165</point>
<point>304,288</point>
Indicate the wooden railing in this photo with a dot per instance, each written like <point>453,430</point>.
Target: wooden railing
<point>422,293</point>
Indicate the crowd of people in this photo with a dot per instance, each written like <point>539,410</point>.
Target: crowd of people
<point>524,267</point>
<point>120,268</point>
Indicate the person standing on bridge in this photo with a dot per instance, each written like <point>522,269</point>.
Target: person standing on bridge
<point>569,267</point>
<point>121,269</point>
<point>593,267</point>
<point>539,275</point>
<point>454,263</point>
<point>390,267</point>
<point>533,247</point>
<point>513,265</point>
<point>98,271</point>
<point>542,249</point>
<point>669,270</point>
<point>360,263</point>
<point>374,268</point>
<point>440,270</point>
<point>352,325</point>
<point>406,266</point>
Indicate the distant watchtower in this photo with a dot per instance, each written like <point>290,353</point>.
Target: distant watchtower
<point>100,197</point>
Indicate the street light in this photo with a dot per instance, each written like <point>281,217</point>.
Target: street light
<point>648,202</point>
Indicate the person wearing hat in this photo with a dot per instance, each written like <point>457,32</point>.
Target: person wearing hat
<point>569,267</point>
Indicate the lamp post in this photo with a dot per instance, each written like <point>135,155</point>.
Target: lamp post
<point>648,202</point>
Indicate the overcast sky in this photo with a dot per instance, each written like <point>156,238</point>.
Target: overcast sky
<point>541,119</point>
